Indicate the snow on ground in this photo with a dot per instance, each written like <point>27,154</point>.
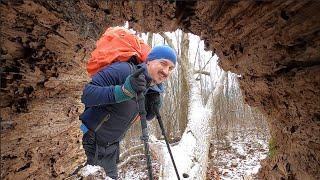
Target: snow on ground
<point>89,169</point>
<point>93,172</point>
<point>137,170</point>
<point>132,174</point>
<point>239,155</point>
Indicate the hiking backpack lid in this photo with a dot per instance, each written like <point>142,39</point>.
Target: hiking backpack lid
<point>116,44</point>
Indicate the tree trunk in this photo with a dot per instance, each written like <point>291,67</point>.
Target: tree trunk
<point>185,87</point>
<point>191,154</point>
<point>150,39</point>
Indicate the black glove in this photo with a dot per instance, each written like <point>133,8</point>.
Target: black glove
<point>138,81</point>
<point>135,83</point>
<point>153,103</point>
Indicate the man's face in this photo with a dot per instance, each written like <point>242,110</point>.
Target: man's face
<point>160,69</point>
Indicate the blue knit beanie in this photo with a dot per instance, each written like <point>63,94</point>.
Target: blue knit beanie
<point>162,52</point>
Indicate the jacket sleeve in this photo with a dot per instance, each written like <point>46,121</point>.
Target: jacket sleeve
<point>100,91</point>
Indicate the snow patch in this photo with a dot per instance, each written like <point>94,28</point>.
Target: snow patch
<point>89,169</point>
<point>131,174</point>
<point>241,158</point>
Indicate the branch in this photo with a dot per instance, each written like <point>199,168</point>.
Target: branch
<point>150,39</point>
<point>198,52</point>
<point>204,67</point>
<point>202,72</point>
<point>127,152</point>
<point>120,165</point>
<point>169,41</point>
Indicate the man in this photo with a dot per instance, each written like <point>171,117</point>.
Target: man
<point>111,107</point>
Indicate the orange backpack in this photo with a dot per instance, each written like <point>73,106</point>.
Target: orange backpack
<point>116,44</point>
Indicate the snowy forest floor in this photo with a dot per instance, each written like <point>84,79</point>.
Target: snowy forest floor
<point>137,169</point>
<point>234,155</point>
<point>237,155</point>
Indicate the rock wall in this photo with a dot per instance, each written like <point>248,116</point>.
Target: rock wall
<point>273,45</point>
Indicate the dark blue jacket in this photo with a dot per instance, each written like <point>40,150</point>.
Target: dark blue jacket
<point>110,120</point>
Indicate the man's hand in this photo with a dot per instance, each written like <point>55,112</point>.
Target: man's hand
<point>135,83</point>
<point>138,81</point>
<point>153,103</point>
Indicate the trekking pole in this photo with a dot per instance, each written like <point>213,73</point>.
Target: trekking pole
<point>145,136</point>
<point>166,140</point>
